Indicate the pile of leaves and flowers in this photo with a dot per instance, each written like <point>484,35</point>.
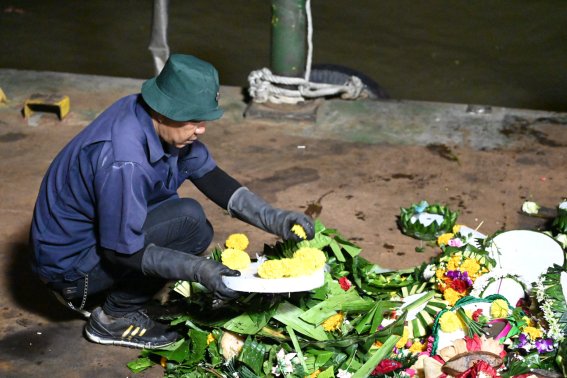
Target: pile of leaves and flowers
<point>433,320</point>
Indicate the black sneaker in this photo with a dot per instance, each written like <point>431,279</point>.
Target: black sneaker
<point>134,329</point>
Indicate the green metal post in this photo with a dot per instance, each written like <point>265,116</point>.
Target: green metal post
<point>289,32</point>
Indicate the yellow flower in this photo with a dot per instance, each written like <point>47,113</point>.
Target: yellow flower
<point>312,258</point>
<point>471,266</point>
<point>378,343</point>
<point>450,322</point>
<point>334,322</point>
<point>454,262</point>
<point>529,321</point>
<point>299,231</point>
<point>235,259</point>
<point>444,239</point>
<point>210,338</point>
<point>237,241</point>
<point>404,339</point>
<point>451,295</point>
<point>314,374</point>
<point>417,347</point>
<point>456,228</point>
<point>272,269</point>
<point>533,332</point>
<point>499,309</point>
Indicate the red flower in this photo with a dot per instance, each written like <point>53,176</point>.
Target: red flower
<point>386,366</point>
<point>459,286</point>
<point>473,343</point>
<point>477,368</point>
<point>476,314</point>
<point>345,283</point>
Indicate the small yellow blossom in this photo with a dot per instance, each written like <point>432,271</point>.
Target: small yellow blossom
<point>452,296</point>
<point>444,239</point>
<point>417,347</point>
<point>334,322</point>
<point>314,374</point>
<point>299,231</point>
<point>533,332</point>
<point>529,321</point>
<point>237,241</point>
<point>454,262</point>
<point>471,266</point>
<point>235,259</point>
<point>499,309</point>
<point>404,339</point>
<point>450,322</point>
<point>440,273</point>
<point>456,228</point>
<point>378,343</point>
<point>210,338</point>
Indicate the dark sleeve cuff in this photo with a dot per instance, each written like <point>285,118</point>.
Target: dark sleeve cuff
<point>218,186</point>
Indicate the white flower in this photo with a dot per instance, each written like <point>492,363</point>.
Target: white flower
<point>343,374</point>
<point>284,363</point>
<point>429,271</point>
<point>530,207</point>
<point>563,205</point>
<point>562,239</point>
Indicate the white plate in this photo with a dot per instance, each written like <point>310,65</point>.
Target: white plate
<point>526,253</point>
<point>250,282</point>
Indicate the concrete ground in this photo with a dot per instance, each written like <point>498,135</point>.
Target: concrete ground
<point>356,162</point>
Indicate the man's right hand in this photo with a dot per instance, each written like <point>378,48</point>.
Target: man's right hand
<point>176,265</point>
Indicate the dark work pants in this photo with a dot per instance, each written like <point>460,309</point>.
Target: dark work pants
<point>178,224</point>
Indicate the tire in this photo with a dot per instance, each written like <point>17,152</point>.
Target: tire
<point>337,74</point>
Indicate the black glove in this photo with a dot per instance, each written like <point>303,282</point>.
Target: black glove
<point>253,210</point>
<point>176,265</point>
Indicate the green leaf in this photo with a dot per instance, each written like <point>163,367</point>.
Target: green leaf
<point>375,359</point>
<point>290,315</point>
<point>328,373</point>
<point>249,323</point>
<point>296,346</point>
<point>252,355</point>
<point>337,251</point>
<point>321,312</point>
<point>140,364</point>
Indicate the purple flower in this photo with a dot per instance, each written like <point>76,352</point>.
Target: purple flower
<point>544,345</point>
<point>461,276</point>
<point>522,340</point>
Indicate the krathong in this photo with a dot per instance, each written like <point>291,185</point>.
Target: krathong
<point>439,319</point>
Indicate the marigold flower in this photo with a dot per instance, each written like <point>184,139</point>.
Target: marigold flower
<point>235,259</point>
<point>450,322</point>
<point>471,266</point>
<point>334,322</point>
<point>444,239</point>
<point>452,296</point>
<point>417,347</point>
<point>299,231</point>
<point>273,269</point>
<point>454,262</point>
<point>440,273</point>
<point>404,339</point>
<point>499,309</point>
<point>314,374</point>
<point>456,229</point>
<point>237,241</point>
<point>533,332</point>
<point>312,258</point>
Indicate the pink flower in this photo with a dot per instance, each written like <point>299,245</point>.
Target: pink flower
<point>345,283</point>
<point>456,243</point>
<point>477,368</point>
<point>386,366</point>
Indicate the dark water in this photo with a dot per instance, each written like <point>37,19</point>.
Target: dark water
<point>495,52</point>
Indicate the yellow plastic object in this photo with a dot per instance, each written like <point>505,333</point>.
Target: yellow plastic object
<point>3,98</point>
<point>46,103</point>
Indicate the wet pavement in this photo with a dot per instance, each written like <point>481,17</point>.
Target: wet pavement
<point>358,162</point>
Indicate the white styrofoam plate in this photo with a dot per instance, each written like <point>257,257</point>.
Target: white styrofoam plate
<point>510,289</point>
<point>525,253</point>
<point>250,282</point>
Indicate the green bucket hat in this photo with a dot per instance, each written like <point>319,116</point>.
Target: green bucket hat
<point>187,89</point>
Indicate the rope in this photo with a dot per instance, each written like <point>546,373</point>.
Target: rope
<point>264,84</point>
